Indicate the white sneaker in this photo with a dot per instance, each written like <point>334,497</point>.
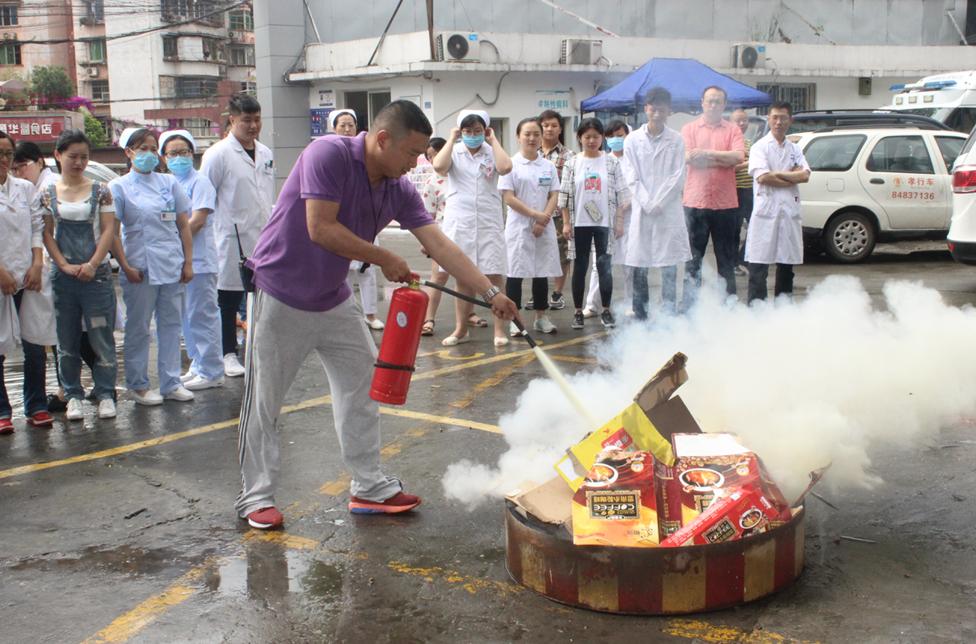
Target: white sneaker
<point>513,330</point>
<point>199,382</point>
<point>501,341</point>
<point>232,366</point>
<point>544,325</point>
<point>150,399</point>
<point>180,394</point>
<point>375,324</point>
<point>106,408</point>
<point>589,312</point>
<point>187,377</point>
<point>75,410</point>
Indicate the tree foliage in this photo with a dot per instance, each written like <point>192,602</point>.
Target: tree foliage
<point>94,130</point>
<point>51,84</point>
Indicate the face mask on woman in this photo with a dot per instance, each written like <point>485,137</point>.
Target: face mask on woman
<point>473,141</point>
<point>615,143</point>
<point>180,166</point>
<point>145,161</point>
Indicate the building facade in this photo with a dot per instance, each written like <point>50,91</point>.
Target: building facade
<point>167,63</point>
<point>517,57</point>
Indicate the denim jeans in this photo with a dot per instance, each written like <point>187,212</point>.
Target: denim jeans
<point>669,291</point>
<point>94,303</point>
<point>720,225</point>
<point>587,237</point>
<point>759,273</point>
<point>745,214</point>
<point>35,368</point>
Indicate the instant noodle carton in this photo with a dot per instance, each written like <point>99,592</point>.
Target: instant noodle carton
<point>616,505</point>
<point>741,513</point>
<point>646,424</point>
<point>708,465</point>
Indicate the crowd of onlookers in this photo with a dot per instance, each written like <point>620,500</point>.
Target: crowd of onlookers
<point>641,199</point>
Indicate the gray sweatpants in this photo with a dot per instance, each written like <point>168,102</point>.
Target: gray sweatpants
<point>279,340</point>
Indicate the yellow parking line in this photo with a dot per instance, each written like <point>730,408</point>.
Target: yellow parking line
<point>313,402</point>
<point>152,442</point>
<point>128,624</point>
<point>443,420</point>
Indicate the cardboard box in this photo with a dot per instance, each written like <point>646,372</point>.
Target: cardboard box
<point>647,424</point>
<point>743,512</point>
<point>707,465</point>
<point>617,505</point>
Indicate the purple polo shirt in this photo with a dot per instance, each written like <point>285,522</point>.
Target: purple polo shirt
<point>292,268</point>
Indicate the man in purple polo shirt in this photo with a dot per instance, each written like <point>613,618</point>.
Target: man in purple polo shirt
<point>341,193</point>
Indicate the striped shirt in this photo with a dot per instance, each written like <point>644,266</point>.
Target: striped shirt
<point>742,178</point>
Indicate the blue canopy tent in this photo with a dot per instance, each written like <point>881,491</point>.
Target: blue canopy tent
<point>685,78</point>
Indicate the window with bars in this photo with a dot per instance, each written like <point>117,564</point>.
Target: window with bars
<point>8,15</point>
<point>99,91</point>
<point>178,10</point>
<point>197,127</point>
<point>249,87</point>
<point>801,96</point>
<point>96,50</point>
<point>241,20</point>
<point>170,47</point>
<point>95,10</point>
<point>195,87</point>
<point>10,53</point>
<point>242,55</point>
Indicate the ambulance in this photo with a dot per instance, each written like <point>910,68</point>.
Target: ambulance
<point>949,98</point>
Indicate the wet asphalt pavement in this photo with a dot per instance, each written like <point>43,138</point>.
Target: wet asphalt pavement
<point>124,530</point>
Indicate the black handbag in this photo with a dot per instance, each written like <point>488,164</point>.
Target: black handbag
<point>247,273</point>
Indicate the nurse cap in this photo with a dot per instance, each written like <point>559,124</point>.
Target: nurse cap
<point>335,114</point>
<point>169,134</point>
<point>126,135</point>
<point>483,115</point>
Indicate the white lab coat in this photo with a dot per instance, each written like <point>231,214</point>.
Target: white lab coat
<point>245,196</point>
<point>473,214</point>
<point>655,174</point>
<point>528,255</point>
<point>618,245</point>
<point>21,229</point>
<point>775,229</point>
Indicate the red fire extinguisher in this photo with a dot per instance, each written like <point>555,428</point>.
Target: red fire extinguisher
<point>398,350</point>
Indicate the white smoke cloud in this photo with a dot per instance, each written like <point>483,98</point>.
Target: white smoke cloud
<point>804,384</point>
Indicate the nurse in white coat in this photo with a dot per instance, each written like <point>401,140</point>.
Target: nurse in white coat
<point>201,318</point>
<point>155,255</point>
<point>775,235</point>
<point>530,191</point>
<point>241,169</point>
<point>655,174</point>
<point>343,122</point>
<point>473,215</point>
<point>26,307</point>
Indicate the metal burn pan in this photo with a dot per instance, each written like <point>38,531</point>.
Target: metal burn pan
<point>651,581</point>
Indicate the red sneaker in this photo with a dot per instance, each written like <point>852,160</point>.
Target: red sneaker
<point>6,426</point>
<point>397,503</point>
<point>266,519</point>
<point>40,419</point>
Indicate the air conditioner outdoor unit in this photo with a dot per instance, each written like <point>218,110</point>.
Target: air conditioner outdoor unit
<point>749,55</point>
<point>576,51</point>
<point>93,72</point>
<point>458,47</point>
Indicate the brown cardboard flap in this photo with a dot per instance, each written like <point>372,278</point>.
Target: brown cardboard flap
<point>672,417</point>
<point>815,477</point>
<point>550,502</point>
<point>664,383</point>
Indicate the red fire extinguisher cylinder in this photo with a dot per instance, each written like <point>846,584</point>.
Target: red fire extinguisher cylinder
<point>398,350</point>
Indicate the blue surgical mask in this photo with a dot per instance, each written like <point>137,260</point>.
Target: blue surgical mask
<point>145,161</point>
<point>473,141</point>
<point>615,143</point>
<point>180,166</point>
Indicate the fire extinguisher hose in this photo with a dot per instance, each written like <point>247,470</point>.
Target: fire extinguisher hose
<point>477,302</point>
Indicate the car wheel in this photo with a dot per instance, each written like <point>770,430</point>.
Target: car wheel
<point>849,237</point>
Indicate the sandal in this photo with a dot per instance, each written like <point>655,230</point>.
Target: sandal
<point>427,328</point>
<point>474,320</point>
